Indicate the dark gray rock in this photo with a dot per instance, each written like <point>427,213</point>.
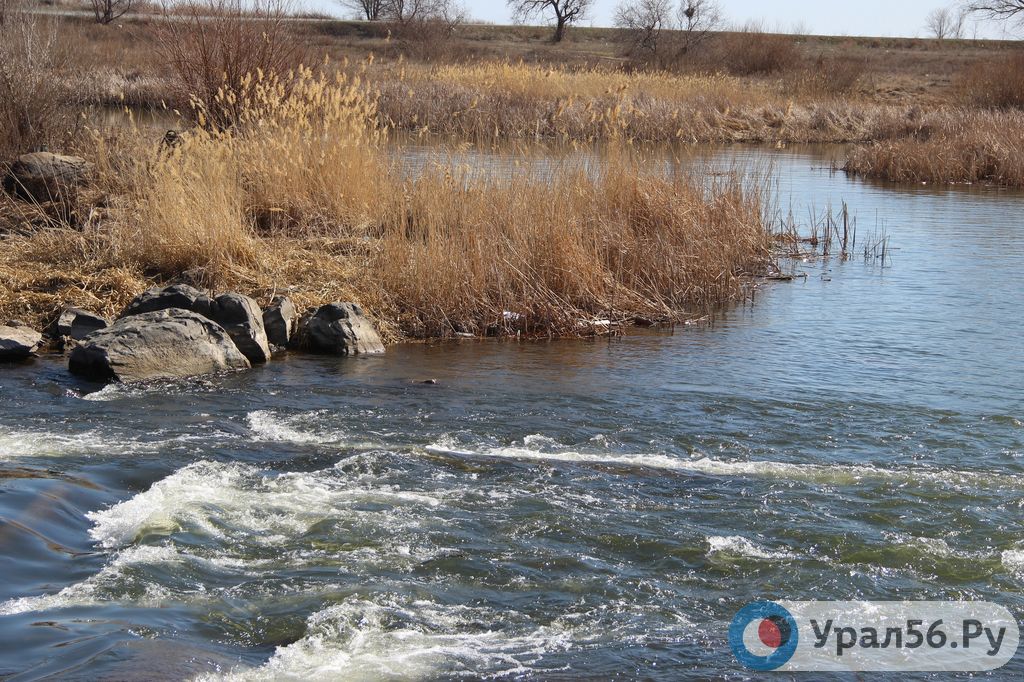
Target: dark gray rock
<point>42,176</point>
<point>18,342</point>
<point>78,324</point>
<point>241,318</point>
<point>181,296</point>
<point>279,321</point>
<point>342,329</point>
<point>165,344</point>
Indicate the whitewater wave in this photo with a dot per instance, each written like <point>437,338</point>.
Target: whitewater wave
<point>735,545</point>
<point>115,577</point>
<point>838,474</point>
<point>16,444</point>
<point>412,640</point>
<point>306,428</point>
<point>237,502</point>
<point>399,637</point>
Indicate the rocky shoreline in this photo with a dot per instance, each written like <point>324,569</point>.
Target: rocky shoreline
<point>179,331</point>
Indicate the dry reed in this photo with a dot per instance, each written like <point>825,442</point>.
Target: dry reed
<point>303,195</point>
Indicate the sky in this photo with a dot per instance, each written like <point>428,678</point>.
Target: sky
<point>832,17</point>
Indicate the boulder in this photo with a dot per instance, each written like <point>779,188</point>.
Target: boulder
<point>42,176</point>
<point>181,296</point>
<point>279,321</point>
<point>18,342</point>
<point>342,329</point>
<point>78,324</point>
<point>241,318</point>
<point>165,344</point>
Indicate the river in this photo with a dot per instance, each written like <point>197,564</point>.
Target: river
<point>546,510</point>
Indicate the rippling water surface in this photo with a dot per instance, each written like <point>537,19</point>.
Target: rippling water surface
<point>555,510</point>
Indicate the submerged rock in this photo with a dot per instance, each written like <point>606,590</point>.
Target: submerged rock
<point>241,318</point>
<point>279,321</point>
<point>342,329</point>
<point>164,344</point>
<point>42,176</point>
<point>180,296</point>
<point>78,324</point>
<point>18,342</point>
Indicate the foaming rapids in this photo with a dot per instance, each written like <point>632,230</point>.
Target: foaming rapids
<point>306,428</point>
<point>15,444</point>
<point>231,502</point>
<point>839,474</point>
<point>395,637</point>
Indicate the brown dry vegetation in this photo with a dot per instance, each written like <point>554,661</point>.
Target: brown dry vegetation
<point>301,195</point>
<point>289,183</point>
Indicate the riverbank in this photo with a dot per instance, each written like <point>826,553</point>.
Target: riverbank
<point>302,197</point>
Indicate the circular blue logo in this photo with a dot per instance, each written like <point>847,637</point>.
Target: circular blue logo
<point>763,636</point>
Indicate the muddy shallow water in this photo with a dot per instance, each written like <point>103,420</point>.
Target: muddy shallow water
<point>546,510</point>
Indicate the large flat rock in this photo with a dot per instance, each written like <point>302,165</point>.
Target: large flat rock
<point>164,344</point>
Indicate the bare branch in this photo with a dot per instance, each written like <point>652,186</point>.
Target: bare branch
<point>566,12</point>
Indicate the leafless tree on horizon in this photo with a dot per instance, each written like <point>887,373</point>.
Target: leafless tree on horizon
<point>567,12</point>
<point>371,10</point>
<point>660,33</point>
<point>946,22</point>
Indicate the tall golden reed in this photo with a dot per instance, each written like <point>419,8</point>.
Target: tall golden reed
<point>305,193</point>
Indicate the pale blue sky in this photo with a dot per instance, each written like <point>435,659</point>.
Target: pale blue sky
<point>833,17</point>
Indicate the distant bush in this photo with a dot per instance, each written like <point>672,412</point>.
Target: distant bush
<point>214,46</point>
<point>828,76</point>
<point>753,52</point>
<point>994,84</point>
<point>33,113</point>
<point>424,28</point>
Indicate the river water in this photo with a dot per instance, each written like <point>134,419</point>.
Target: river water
<point>563,510</point>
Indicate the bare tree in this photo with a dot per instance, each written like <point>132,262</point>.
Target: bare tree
<point>567,12</point>
<point>371,10</point>
<point>644,21</point>
<point>656,30</point>
<point>946,22</point>
<point>698,18</point>
<point>997,9</point>
<point>423,28</point>
<point>107,11</point>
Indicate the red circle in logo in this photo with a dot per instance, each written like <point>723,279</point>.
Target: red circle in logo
<point>769,634</point>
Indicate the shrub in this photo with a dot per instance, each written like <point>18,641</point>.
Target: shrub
<point>213,45</point>
<point>753,52</point>
<point>33,113</point>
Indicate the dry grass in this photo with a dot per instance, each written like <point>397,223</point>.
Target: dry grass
<point>963,146</point>
<point>302,195</point>
<point>495,101</point>
<point>994,84</point>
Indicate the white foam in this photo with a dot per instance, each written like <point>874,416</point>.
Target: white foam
<point>15,444</point>
<point>1013,559</point>
<point>394,639</point>
<point>269,426</point>
<point>239,502</point>
<point>91,591</point>
<point>736,545</point>
<point>815,473</point>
